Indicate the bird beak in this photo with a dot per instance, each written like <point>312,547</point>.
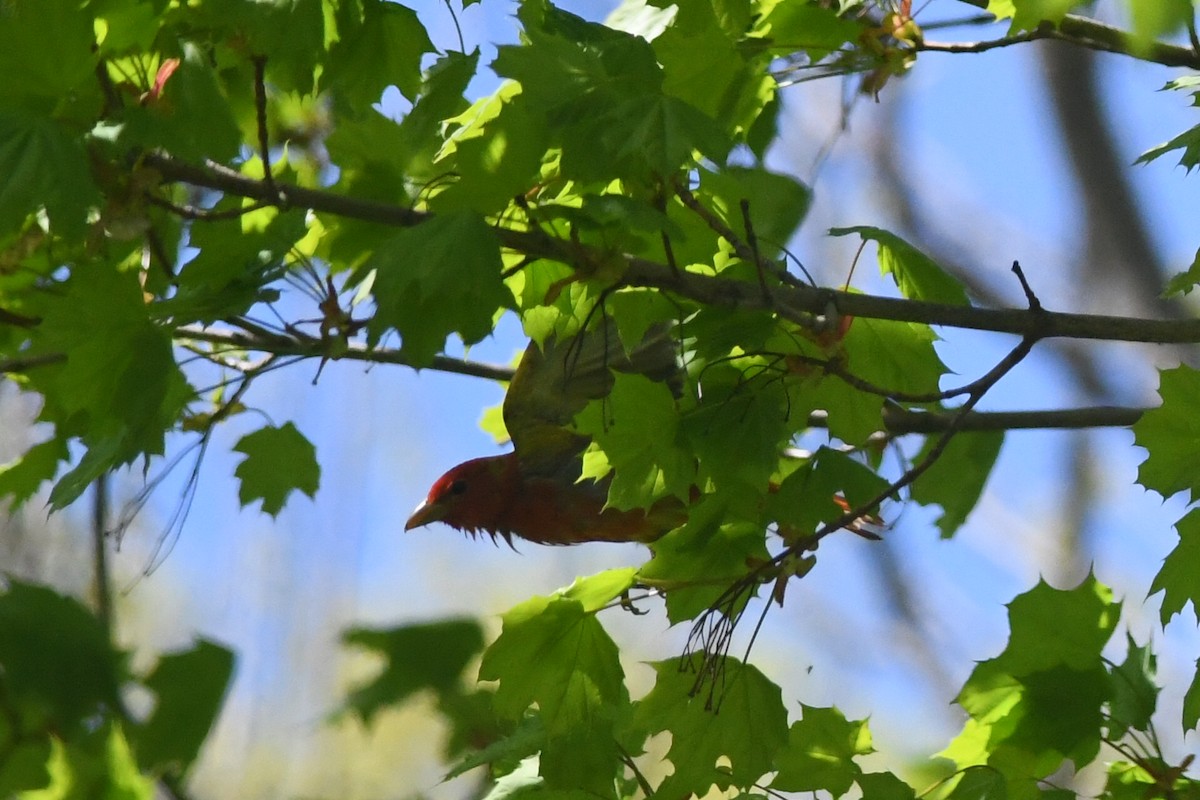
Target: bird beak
<point>424,514</point>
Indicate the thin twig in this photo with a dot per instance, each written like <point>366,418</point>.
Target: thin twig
<point>752,242</point>
<point>101,579</point>
<point>21,364</point>
<point>642,782</point>
<point>203,214</point>
<point>462,45</point>
<point>311,347</point>
<point>260,111</point>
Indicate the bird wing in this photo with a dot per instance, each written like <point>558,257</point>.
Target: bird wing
<point>555,381</point>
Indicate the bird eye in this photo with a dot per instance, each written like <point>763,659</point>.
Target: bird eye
<point>458,487</point>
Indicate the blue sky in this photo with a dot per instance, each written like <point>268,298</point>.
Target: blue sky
<point>975,137</point>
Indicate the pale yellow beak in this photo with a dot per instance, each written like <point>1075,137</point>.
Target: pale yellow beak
<point>424,514</point>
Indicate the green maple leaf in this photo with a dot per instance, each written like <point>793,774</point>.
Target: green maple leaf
<point>917,275</point>
<point>50,45</point>
<point>895,356</point>
<point>716,83</point>
<point>600,93</point>
<point>884,786</point>
<point>119,388</point>
<point>45,167</point>
<point>596,592</point>
<point>805,498</point>
<point>26,766</point>
<point>553,652</point>
<point>1171,436</point>
<point>957,479</point>
<point>495,149</point>
<point>1061,712</point>
<point>417,656</point>
<point>278,462</point>
<point>654,134</point>
<point>189,687</point>
<point>853,415</point>
<point>1134,692</point>
<point>384,48</point>
<point>1182,283</point>
<point>820,752</point>
<point>59,668</point>
<point>696,563</point>
<point>737,416</point>
<point>817,30</point>
<point>1052,627</point>
<point>979,783</point>
<point>1152,21</point>
<point>99,764</point>
<point>1188,142</point>
<point>379,156</point>
<point>1026,725</point>
<point>636,428</point>
<point>1177,577</point>
<point>19,479</point>
<point>438,278</point>
<point>1191,703</point>
<point>1027,15</point>
<point>192,120</point>
<point>748,729</point>
<point>1041,700</point>
<point>777,203</point>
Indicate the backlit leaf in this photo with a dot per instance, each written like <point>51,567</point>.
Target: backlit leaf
<point>189,687</point>
<point>748,730</point>
<point>1177,577</point>
<point>278,462</point>
<point>1171,436</point>
<point>917,275</point>
<point>438,278</point>
<point>417,656</point>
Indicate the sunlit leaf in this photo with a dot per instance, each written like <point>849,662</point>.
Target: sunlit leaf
<point>1134,692</point>
<point>747,731</point>
<point>635,426</point>
<point>917,275</point>
<point>820,752</point>
<point>554,653</point>
<point>384,49</point>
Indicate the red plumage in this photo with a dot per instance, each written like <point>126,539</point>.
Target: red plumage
<point>535,492</point>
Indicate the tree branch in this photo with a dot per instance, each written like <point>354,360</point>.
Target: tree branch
<point>900,421</point>
<point>308,347</point>
<point>896,420</point>
<point>804,305</point>
<point>21,364</point>
<point>1084,32</point>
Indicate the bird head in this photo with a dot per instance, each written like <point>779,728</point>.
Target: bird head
<point>469,497</point>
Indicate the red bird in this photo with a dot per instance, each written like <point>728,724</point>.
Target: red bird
<point>534,493</point>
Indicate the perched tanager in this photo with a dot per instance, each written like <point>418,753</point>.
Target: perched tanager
<point>535,492</point>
